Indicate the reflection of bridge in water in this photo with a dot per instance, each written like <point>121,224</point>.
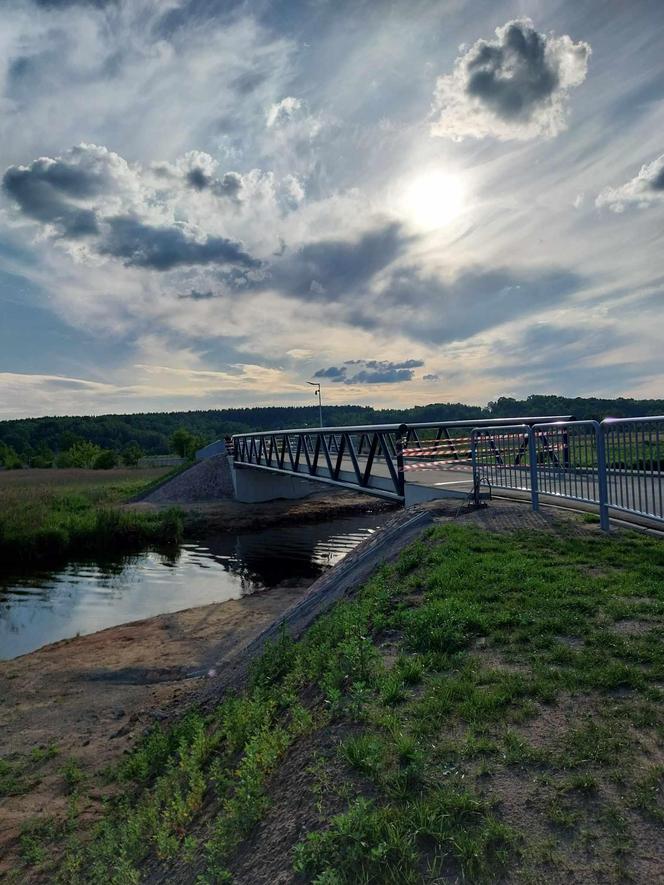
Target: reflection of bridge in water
<point>616,465</point>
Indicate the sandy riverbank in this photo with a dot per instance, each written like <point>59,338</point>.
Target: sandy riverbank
<point>89,698</point>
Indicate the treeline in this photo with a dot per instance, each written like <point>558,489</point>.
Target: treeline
<point>36,441</point>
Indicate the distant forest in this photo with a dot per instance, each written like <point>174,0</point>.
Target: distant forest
<point>152,431</point>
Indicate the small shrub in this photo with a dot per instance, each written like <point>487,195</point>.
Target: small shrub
<point>105,460</point>
<point>73,775</point>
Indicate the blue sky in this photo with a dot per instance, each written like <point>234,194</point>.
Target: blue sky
<point>206,204</point>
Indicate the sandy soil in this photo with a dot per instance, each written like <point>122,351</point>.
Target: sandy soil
<point>91,696</point>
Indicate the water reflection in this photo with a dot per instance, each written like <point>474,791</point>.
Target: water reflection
<point>88,596</point>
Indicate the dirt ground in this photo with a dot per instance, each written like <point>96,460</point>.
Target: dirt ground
<point>91,696</point>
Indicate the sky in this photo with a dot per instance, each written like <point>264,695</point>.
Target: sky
<point>208,203</point>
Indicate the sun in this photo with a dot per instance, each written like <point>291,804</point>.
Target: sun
<point>434,199</point>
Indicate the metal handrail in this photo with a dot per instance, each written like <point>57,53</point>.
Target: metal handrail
<point>357,428</point>
<point>368,428</point>
<point>615,465</point>
<point>490,422</point>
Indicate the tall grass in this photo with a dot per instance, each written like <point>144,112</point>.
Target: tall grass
<point>51,515</point>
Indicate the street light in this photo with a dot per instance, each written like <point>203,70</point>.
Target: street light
<point>320,399</point>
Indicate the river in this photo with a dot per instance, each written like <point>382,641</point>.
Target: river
<point>83,597</point>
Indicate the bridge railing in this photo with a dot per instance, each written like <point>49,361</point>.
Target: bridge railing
<point>374,457</point>
<point>616,465</point>
<point>345,456</point>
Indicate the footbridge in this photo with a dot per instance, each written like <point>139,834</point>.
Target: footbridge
<point>615,467</point>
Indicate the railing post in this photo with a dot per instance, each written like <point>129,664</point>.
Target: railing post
<point>565,448</point>
<point>532,459</point>
<point>400,463</point>
<point>476,473</point>
<point>602,484</point>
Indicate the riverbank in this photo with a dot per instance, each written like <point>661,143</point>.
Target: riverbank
<point>227,515</point>
<point>489,706</point>
<point>47,516</point>
<point>110,687</point>
<point>75,707</point>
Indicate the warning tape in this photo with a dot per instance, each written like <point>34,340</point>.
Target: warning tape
<point>414,453</point>
<point>436,465</point>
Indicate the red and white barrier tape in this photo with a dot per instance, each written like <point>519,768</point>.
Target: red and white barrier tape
<point>436,465</point>
<point>414,453</point>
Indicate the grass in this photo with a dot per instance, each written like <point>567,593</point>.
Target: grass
<point>512,732</point>
<point>48,515</point>
<point>20,776</point>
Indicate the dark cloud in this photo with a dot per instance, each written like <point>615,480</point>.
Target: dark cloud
<point>513,76</point>
<point>381,364</point>
<point>337,269</point>
<point>353,281</point>
<point>334,373</point>
<point>72,194</point>
<point>514,86</point>
<point>372,372</point>
<point>42,190</point>
<point>430,377</point>
<point>644,190</point>
<point>434,311</point>
<point>229,185</point>
<point>162,248</point>
<point>657,183</point>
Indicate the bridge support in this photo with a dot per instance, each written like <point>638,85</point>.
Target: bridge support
<point>253,486</point>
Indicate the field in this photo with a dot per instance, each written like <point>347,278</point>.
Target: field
<point>487,709</point>
<point>51,514</point>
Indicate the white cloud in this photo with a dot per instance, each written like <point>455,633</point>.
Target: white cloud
<point>513,87</point>
<point>99,207</point>
<point>642,191</point>
<point>284,111</point>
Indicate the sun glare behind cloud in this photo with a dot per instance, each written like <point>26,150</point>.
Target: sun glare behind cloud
<point>433,199</point>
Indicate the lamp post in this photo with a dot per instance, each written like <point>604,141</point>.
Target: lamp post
<point>320,400</point>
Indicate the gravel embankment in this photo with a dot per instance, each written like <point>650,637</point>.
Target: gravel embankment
<point>207,480</point>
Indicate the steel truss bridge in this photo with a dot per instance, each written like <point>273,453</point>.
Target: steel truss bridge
<point>614,467</point>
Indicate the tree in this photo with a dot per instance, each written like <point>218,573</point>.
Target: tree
<point>185,443</point>
<point>81,454</point>
<point>8,457</point>
<point>106,460</point>
<point>43,457</point>
<point>132,454</point>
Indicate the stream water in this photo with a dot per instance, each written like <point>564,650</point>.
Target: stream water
<point>83,597</point>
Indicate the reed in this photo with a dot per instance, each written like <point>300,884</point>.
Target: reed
<point>49,515</point>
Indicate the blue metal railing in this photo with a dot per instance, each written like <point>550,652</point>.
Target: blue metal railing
<point>367,457</point>
<point>616,465</point>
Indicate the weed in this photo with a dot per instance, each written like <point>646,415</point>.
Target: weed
<point>364,752</point>
<point>72,775</point>
<point>648,794</point>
